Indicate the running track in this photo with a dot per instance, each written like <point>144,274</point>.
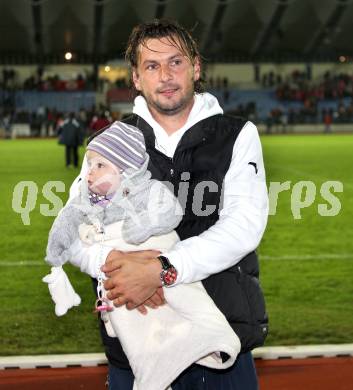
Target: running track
<point>280,374</point>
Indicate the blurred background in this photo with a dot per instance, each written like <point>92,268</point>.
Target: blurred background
<point>286,65</point>
<point>282,63</point>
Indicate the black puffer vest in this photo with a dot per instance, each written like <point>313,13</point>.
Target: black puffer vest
<point>197,171</point>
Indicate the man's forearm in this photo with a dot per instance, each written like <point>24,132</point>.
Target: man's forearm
<point>242,221</point>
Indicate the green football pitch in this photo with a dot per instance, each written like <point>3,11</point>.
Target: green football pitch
<point>306,254</point>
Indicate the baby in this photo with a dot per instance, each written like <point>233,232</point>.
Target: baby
<point>121,207</point>
<point>118,188</point>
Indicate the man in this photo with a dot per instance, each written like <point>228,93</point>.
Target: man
<point>70,135</point>
<point>215,165</point>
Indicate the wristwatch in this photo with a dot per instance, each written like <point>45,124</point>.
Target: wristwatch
<point>169,273</point>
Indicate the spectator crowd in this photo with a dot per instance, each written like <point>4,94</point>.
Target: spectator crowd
<point>45,122</point>
<point>300,100</point>
<point>38,81</point>
<point>300,88</point>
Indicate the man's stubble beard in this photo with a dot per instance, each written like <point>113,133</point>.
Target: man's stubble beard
<point>171,110</point>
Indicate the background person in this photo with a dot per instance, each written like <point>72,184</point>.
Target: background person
<point>70,135</point>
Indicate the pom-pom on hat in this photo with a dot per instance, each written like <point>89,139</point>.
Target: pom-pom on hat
<point>121,144</point>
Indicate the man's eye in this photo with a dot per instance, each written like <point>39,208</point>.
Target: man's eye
<point>151,67</point>
<point>176,62</point>
<point>100,165</point>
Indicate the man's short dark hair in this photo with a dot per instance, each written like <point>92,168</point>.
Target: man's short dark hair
<point>177,35</point>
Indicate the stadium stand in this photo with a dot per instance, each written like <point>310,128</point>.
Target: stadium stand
<point>274,74</point>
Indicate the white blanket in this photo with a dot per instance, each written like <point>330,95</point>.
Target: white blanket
<point>188,329</point>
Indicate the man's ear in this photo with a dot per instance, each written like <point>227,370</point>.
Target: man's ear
<point>136,79</point>
<point>197,68</point>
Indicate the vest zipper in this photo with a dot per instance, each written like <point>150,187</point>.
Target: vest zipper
<point>169,159</point>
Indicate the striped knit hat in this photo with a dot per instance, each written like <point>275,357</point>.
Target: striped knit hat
<point>121,144</point>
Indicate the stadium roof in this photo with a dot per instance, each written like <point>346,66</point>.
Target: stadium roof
<point>41,31</point>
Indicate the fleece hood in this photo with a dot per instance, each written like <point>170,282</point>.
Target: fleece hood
<point>205,106</point>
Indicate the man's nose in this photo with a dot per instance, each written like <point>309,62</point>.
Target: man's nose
<point>165,73</point>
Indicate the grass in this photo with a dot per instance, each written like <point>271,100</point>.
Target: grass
<point>309,301</point>
<point>306,265</point>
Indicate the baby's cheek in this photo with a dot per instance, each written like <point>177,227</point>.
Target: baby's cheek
<point>110,185</point>
<point>115,183</point>
<point>103,188</point>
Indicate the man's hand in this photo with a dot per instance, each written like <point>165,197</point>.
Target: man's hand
<point>156,300</point>
<point>133,278</point>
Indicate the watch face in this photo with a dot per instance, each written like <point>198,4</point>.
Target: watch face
<point>170,276</point>
<point>169,273</point>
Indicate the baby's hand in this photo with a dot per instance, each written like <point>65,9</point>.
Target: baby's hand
<point>61,291</point>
